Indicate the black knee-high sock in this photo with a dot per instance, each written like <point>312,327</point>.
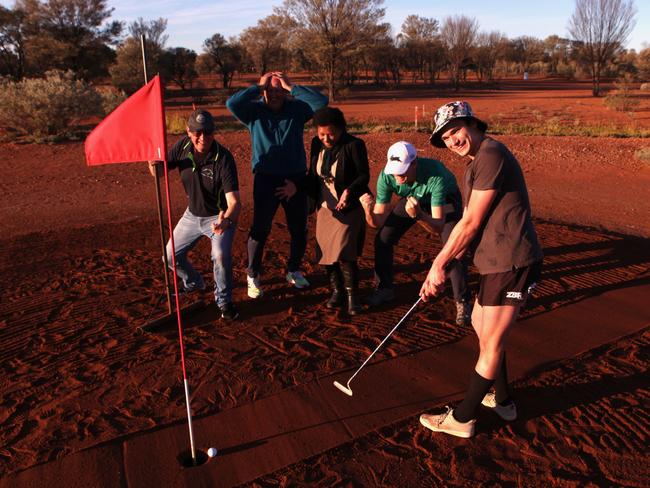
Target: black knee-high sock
<point>501,389</point>
<point>478,387</point>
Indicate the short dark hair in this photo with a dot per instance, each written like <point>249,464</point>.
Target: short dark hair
<point>329,116</point>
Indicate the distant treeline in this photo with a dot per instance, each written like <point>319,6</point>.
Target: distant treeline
<point>345,42</point>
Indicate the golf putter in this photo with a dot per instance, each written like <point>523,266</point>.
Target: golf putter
<point>346,389</point>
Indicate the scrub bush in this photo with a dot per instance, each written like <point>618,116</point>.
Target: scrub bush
<point>47,108</point>
<point>111,98</point>
<point>622,99</point>
<point>643,154</point>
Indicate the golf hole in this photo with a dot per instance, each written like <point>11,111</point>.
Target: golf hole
<point>185,458</point>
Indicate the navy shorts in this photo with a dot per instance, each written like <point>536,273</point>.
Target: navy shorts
<point>509,288</point>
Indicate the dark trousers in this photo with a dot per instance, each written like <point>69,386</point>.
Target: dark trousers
<point>396,225</point>
<point>265,204</point>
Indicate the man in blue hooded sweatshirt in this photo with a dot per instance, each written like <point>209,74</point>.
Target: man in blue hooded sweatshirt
<point>276,124</point>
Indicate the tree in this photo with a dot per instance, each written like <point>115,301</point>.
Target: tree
<point>557,50</point>
<point>643,63</point>
<point>127,73</point>
<point>227,56</point>
<point>267,44</point>
<point>490,47</point>
<point>177,66</point>
<point>69,34</point>
<point>525,51</point>
<point>459,35</point>
<point>420,43</point>
<point>12,43</point>
<point>152,30</point>
<point>380,60</point>
<point>603,27</point>
<point>329,31</point>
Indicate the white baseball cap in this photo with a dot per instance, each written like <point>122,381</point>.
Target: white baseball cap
<point>399,158</point>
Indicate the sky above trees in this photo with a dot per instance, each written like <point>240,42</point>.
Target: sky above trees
<point>190,22</point>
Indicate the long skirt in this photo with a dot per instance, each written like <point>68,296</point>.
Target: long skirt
<point>339,235</point>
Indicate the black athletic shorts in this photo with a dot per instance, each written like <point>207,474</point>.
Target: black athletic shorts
<point>509,288</point>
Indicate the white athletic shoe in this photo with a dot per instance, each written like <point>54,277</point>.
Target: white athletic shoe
<point>506,412</point>
<point>445,422</point>
<point>254,287</point>
<point>297,279</point>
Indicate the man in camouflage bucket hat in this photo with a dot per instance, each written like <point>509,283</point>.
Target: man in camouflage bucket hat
<point>497,227</point>
<point>449,112</point>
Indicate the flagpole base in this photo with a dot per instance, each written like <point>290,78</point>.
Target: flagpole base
<point>169,318</point>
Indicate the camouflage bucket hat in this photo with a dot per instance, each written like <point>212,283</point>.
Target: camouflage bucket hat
<point>447,113</point>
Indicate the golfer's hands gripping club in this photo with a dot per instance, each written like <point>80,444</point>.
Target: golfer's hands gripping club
<point>434,284</point>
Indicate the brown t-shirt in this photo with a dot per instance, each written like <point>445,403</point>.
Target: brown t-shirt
<point>507,238</point>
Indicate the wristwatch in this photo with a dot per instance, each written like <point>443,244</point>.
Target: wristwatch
<point>227,219</point>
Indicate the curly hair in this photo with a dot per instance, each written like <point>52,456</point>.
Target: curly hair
<point>329,116</point>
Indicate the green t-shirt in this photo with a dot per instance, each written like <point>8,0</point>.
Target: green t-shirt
<point>433,183</point>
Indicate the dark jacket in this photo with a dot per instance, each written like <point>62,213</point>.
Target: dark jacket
<point>277,138</point>
<point>352,171</point>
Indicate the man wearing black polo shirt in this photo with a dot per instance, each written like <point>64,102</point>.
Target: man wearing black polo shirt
<point>209,176</point>
<point>497,227</point>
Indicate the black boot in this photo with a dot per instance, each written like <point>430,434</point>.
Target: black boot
<point>336,283</point>
<point>351,281</point>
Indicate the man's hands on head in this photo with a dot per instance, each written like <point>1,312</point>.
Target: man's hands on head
<point>265,80</point>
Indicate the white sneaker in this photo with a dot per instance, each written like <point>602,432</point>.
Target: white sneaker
<point>254,288</point>
<point>445,422</point>
<point>297,279</point>
<point>506,412</point>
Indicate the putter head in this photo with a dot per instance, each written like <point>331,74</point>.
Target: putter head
<point>344,389</point>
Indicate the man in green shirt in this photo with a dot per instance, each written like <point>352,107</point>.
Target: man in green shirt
<point>428,194</point>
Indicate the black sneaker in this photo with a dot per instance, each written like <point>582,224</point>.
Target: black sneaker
<point>229,312</point>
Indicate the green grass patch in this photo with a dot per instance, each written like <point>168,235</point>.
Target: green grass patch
<point>555,128</point>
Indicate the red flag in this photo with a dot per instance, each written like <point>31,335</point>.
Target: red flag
<point>134,131</point>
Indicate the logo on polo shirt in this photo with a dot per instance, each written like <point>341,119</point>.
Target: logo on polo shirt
<point>207,172</point>
<point>515,295</point>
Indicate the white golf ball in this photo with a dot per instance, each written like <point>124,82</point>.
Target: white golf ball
<point>212,452</point>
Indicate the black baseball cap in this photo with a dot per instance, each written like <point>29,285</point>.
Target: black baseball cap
<point>201,121</point>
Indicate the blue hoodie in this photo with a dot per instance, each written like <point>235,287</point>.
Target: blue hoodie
<point>277,139</point>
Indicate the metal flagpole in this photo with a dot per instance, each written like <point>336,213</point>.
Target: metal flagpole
<point>158,198</point>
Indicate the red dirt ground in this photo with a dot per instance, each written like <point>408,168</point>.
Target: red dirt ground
<point>81,269</point>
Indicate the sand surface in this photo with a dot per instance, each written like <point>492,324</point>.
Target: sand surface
<point>81,270</point>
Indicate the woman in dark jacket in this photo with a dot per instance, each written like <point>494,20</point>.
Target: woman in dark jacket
<point>339,175</point>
